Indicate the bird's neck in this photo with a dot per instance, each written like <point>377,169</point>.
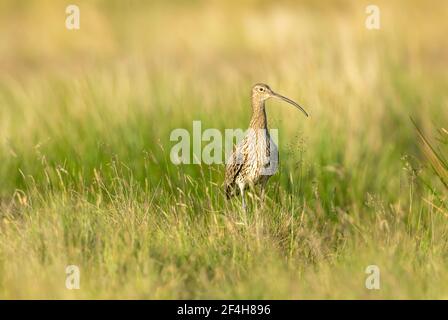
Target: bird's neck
<point>258,120</point>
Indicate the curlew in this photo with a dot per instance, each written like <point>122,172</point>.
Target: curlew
<point>255,157</point>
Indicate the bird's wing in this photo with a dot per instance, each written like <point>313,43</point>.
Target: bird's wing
<point>233,168</point>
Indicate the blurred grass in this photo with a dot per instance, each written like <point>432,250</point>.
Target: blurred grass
<point>85,120</point>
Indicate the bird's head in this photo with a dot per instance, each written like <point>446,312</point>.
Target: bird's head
<point>262,92</point>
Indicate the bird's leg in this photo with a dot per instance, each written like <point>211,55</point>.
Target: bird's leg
<point>242,197</point>
<point>263,191</point>
<point>243,200</point>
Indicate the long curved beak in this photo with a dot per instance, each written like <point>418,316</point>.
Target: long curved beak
<point>279,96</point>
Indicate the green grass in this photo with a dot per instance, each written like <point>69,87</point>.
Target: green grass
<point>85,176</point>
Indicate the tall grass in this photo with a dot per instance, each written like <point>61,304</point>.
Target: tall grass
<point>85,176</point>
<point>435,156</point>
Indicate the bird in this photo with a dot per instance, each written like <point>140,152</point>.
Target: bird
<point>255,158</point>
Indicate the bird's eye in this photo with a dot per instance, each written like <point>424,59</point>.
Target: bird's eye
<point>261,89</point>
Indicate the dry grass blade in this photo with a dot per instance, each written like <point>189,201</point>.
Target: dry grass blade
<point>435,158</point>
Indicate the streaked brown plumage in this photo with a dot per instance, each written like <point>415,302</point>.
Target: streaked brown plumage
<point>255,157</point>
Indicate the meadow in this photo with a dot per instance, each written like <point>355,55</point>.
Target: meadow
<point>86,178</point>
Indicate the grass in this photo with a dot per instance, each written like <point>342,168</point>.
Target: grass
<point>85,176</point>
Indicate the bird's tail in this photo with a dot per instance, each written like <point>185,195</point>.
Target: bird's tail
<point>231,191</point>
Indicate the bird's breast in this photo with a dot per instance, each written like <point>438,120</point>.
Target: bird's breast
<point>262,155</point>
